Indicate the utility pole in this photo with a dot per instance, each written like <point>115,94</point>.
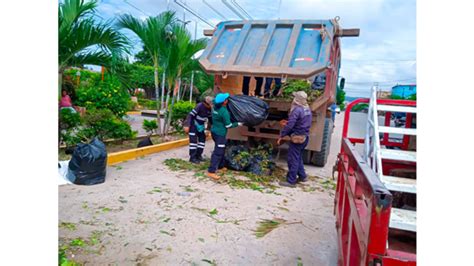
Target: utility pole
<point>192,72</point>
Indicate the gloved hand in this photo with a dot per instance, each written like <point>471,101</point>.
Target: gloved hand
<point>279,141</point>
<point>186,130</point>
<point>240,124</point>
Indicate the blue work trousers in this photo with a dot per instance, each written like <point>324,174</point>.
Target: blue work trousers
<point>217,158</point>
<point>197,140</point>
<point>295,162</point>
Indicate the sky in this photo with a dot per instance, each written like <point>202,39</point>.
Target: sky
<point>385,51</point>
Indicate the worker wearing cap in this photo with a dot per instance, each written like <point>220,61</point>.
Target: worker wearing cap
<point>297,127</point>
<point>194,126</point>
<point>220,123</point>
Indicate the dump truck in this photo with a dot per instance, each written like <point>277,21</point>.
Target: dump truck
<point>375,201</point>
<point>285,49</point>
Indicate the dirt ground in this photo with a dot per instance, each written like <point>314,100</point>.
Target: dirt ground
<point>140,216</point>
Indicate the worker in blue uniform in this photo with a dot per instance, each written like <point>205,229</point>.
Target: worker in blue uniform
<point>194,126</point>
<point>297,128</point>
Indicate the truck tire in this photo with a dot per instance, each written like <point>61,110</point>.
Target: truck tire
<point>320,158</point>
<point>307,154</point>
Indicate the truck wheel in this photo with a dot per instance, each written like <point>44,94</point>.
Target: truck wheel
<point>307,154</point>
<point>320,158</point>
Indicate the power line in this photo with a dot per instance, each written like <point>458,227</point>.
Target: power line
<point>136,8</point>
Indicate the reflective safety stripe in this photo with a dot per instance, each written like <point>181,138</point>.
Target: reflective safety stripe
<point>192,148</point>
<point>200,146</point>
<point>193,144</point>
<point>229,125</point>
<point>201,143</point>
<point>201,118</point>
<point>192,134</point>
<point>221,145</point>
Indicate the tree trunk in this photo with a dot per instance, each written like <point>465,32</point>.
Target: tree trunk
<point>191,88</point>
<point>175,91</point>
<point>157,91</point>
<point>163,90</point>
<point>166,116</point>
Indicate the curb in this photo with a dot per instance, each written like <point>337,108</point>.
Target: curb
<point>134,113</point>
<point>118,157</point>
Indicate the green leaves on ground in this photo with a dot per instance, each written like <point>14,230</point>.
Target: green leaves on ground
<point>213,212</point>
<point>213,262</point>
<point>252,181</point>
<point>299,261</point>
<point>69,226</point>
<point>77,242</point>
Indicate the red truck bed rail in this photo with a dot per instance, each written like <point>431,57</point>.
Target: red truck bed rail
<point>363,205</point>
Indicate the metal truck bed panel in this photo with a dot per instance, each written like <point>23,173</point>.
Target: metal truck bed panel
<point>270,48</point>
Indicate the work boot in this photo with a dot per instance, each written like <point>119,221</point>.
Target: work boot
<point>223,169</point>
<point>213,176</point>
<point>286,184</point>
<point>200,158</point>
<point>195,161</point>
<point>302,180</point>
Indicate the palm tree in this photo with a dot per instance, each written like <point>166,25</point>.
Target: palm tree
<point>154,33</point>
<point>180,61</point>
<point>82,40</point>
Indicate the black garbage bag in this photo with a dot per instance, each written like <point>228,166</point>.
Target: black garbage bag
<point>88,163</point>
<point>145,142</point>
<point>237,157</point>
<point>247,109</point>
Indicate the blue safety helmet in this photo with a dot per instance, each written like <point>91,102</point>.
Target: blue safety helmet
<point>221,97</point>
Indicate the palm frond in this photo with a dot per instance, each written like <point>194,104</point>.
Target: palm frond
<point>72,10</point>
<point>86,35</point>
<point>153,32</point>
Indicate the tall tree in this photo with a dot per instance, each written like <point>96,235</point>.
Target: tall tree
<point>82,40</point>
<point>180,61</point>
<point>143,58</point>
<point>154,33</point>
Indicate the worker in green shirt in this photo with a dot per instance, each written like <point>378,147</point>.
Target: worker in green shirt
<point>220,123</point>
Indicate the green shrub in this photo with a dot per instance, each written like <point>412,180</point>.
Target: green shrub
<point>102,123</point>
<point>180,110</point>
<point>104,96</point>
<point>412,97</point>
<point>148,104</point>
<point>342,106</point>
<point>340,96</point>
<point>69,119</point>
<point>358,107</point>
<point>149,126</point>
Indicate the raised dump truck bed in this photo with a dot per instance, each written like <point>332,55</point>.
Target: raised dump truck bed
<point>283,49</point>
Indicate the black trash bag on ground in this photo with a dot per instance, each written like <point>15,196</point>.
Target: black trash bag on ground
<point>247,109</point>
<point>88,163</point>
<point>237,157</point>
<point>145,142</point>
